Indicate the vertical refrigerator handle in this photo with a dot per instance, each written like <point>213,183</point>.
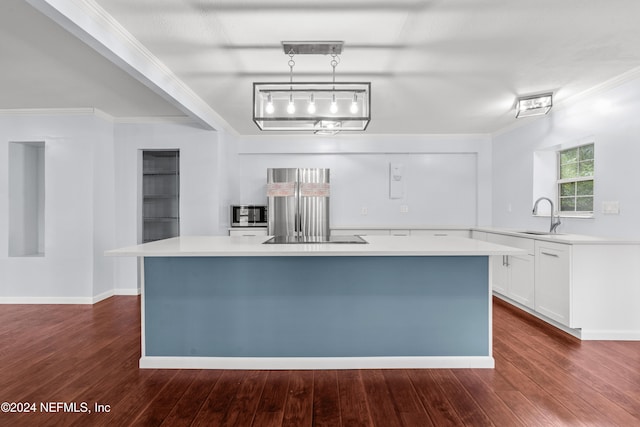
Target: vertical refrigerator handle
<point>298,216</point>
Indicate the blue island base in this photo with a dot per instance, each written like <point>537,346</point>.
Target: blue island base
<point>313,312</point>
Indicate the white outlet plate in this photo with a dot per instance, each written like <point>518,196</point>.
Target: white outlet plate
<point>611,208</point>
<point>364,210</point>
<point>404,208</point>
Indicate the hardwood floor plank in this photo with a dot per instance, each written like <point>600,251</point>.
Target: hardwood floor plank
<point>406,401</point>
<point>186,409</point>
<point>354,410</point>
<point>161,406</point>
<point>498,411</point>
<point>438,407</point>
<point>270,410</point>
<point>243,407</point>
<point>556,412</point>
<point>326,399</point>
<point>214,408</point>
<point>467,408</point>
<point>298,408</point>
<point>379,399</point>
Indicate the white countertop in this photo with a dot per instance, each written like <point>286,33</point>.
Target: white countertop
<point>377,246</point>
<point>567,238</point>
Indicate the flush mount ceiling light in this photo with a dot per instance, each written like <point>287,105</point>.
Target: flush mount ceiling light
<point>534,105</point>
<point>319,107</point>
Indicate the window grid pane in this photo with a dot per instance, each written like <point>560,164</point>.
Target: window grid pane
<point>575,189</point>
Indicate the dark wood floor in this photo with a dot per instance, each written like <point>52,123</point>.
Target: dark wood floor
<point>90,354</point>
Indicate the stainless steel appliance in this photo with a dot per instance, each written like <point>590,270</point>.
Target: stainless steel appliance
<point>248,216</point>
<point>298,203</point>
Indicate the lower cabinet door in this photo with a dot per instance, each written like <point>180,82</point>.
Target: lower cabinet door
<point>521,283</point>
<point>499,274</point>
<point>553,281</point>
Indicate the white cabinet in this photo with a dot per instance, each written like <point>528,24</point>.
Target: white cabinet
<point>440,232</point>
<point>513,275</point>
<point>479,235</point>
<point>360,232</point>
<point>400,232</point>
<point>553,281</point>
<point>248,232</point>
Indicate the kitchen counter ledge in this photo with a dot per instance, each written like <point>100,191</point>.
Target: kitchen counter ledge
<point>228,246</point>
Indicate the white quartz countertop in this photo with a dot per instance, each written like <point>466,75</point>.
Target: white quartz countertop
<point>376,246</point>
<point>567,238</point>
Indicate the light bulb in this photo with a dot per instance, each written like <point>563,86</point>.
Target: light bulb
<point>269,108</point>
<point>354,104</point>
<point>311,108</point>
<point>334,105</point>
<point>291,108</point>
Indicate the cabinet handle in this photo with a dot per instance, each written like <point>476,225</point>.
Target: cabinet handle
<point>550,254</point>
<point>506,257</point>
<point>440,234</point>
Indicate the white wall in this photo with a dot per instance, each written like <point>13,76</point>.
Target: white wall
<point>447,177</point>
<point>205,162</point>
<point>610,119</point>
<point>76,185</point>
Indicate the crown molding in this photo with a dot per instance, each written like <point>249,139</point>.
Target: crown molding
<point>90,23</point>
<point>56,112</point>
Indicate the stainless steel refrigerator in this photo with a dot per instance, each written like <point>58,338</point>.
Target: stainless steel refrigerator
<point>298,203</point>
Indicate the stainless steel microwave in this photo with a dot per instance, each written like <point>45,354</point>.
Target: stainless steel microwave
<point>248,216</point>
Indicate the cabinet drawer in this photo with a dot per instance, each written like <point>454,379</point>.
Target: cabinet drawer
<point>440,232</point>
<point>249,233</point>
<point>360,232</point>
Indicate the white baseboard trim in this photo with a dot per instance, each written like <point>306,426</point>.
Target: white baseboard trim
<point>102,296</point>
<point>68,300</point>
<point>295,363</point>
<point>574,332</point>
<point>126,291</point>
<point>46,300</point>
<point>609,335</point>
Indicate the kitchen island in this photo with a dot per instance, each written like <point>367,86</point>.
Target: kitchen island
<point>395,302</point>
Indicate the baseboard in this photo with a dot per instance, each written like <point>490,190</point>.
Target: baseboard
<point>46,300</point>
<point>102,296</point>
<point>69,300</point>
<point>609,335</point>
<point>295,363</point>
<point>126,291</point>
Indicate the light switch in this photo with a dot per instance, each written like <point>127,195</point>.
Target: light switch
<point>404,208</point>
<point>364,211</point>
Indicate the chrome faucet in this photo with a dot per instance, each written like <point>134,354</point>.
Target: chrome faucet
<point>554,224</point>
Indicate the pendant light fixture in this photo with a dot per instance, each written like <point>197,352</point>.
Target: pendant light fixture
<point>319,107</point>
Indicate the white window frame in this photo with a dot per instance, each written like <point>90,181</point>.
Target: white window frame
<point>560,181</point>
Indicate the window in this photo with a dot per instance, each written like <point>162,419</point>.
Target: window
<point>575,180</point>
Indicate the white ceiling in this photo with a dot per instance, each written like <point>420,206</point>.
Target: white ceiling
<point>436,66</point>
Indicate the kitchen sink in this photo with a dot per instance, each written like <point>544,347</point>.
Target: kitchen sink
<point>539,233</point>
